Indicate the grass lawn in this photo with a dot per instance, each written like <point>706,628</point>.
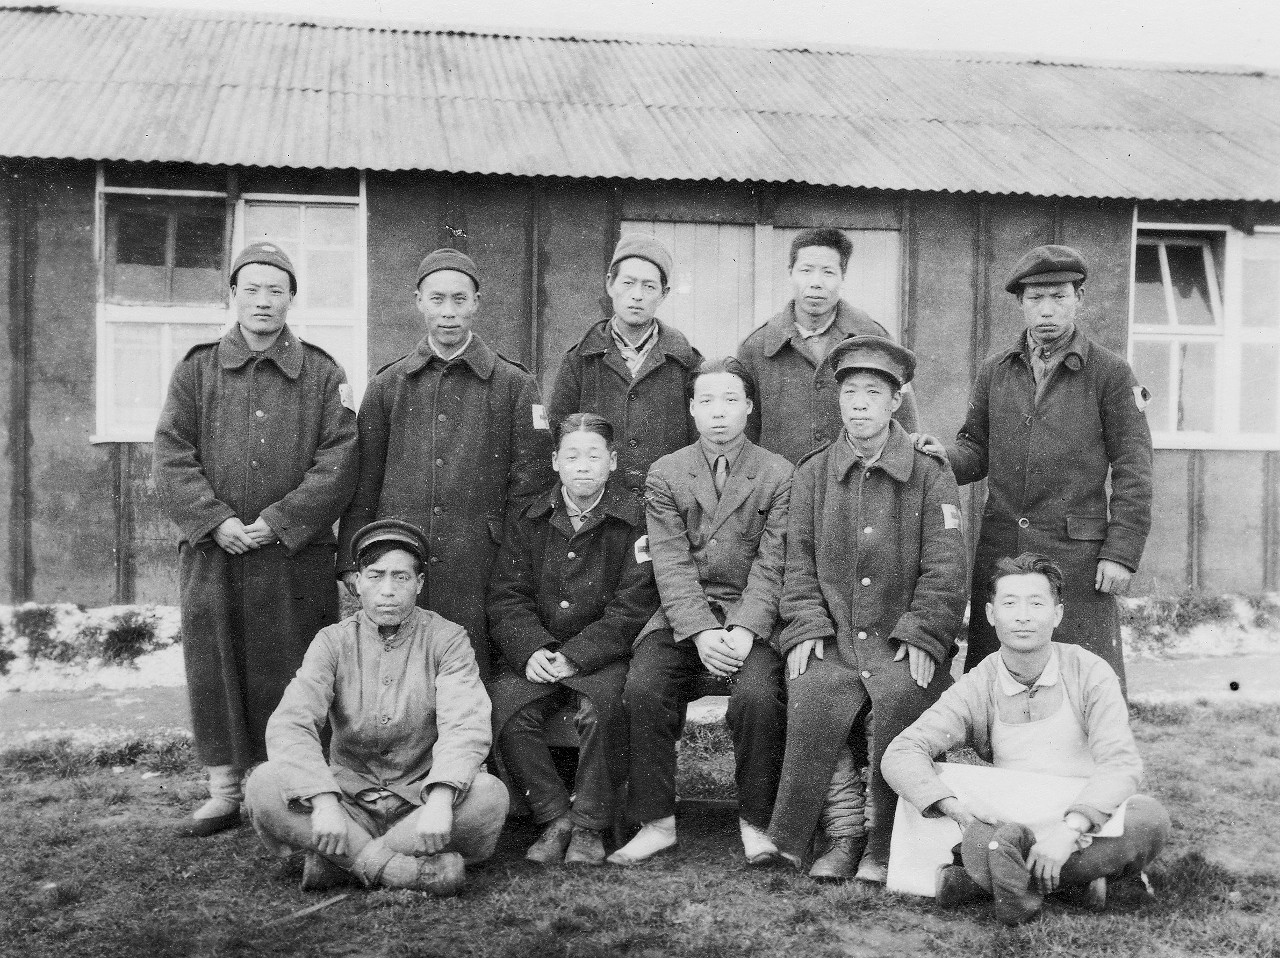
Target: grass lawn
<point>90,870</point>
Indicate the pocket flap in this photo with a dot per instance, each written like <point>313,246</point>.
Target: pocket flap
<point>1086,527</point>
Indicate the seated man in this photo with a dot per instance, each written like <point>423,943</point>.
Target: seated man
<point>717,519</point>
<point>402,802</point>
<point>1038,706</point>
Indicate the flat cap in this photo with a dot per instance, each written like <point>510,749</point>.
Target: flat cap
<point>644,246</point>
<point>873,352</point>
<point>1047,264</point>
<point>269,254</point>
<point>404,534</point>
<point>447,258</point>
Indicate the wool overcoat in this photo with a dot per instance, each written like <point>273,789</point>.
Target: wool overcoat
<point>585,594</point>
<point>457,448</point>
<point>268,435</point>
<point>727,550</point>
<point>649,413</point>
<point>875,557</point>
<point>797,409</point>
<point>1046,462</point>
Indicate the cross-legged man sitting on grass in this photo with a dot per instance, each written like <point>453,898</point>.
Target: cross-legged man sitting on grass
<point>402,801</point>
<point>1038,706</point>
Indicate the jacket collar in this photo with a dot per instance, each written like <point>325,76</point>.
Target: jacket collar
<point>478,355</point>
<point>614,504</point>
<point>285,352</point>
<point>597,341</point>
<point>1077,350</point>
<point>782,327</point>
<point>896,459</point>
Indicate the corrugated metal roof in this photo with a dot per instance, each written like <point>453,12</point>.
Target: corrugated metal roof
<point>239,90</point>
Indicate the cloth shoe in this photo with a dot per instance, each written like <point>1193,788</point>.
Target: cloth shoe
<point>441,875</point>
<point>654,838</point>
<point>319,874</point>
<point>954,886</point>
<point>222,811</point>
<point>759,848</point>
<point>870,870</point>
<point>840,860</point>
<point>550,846</point>
<point>585,848</point>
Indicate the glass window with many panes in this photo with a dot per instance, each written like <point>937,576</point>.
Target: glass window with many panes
<point>1206,336</point>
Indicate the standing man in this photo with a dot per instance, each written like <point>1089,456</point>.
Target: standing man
<point>797,410</point>
<point>255,459</point>
<point>1050,417</point>
<point>873,599</point>
<point>454,439</point>
<point>633,369</point>
<point>717,514</point>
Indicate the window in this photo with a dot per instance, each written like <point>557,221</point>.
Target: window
<point>1206,336</point>
<point>166,242</point>
<point>732,278</point>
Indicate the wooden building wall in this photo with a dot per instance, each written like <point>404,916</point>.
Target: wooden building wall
<point>80,521</point>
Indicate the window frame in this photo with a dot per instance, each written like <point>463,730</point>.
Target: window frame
<point>219,317</point>
<point>1229,335</point>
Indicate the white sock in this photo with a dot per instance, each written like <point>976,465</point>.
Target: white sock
<point>652,838</point>
<point>225,792</point>
<point>754,841</point>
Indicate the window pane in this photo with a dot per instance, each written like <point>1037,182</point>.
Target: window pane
<point>1190,285</point>
<point>330,226</point>
<point>330,279</point>
<point>1148,287</point>
<point>1196,385</point>
<point>337,341</point>
<point>197,242</point>
<point>1259,392</point>
<point>1151,367</point>
<point>135,379</point>
<point>182,336</point>
<point>272,221</point>
<point>1261,293</point>
<point>141,238</point>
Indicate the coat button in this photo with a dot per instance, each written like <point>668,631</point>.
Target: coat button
<point>259,413</point>
<point>386,681</point>
<point>254,464</point>
<point>435,510</point>
<point>866,581</point>
<point>572,555</point>
<point>631,397</point>
<point>1024,522</point>
<point>439,462</point>
<point>867,530</point>
<point>564,603</point>
<point>862,635</point>
<point>435,559</point>
<point>866,675</point>
<point>632,443</point>
<point>713,542</point>
<point>441,417</point>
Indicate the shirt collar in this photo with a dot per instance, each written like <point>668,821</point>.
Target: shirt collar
<point>285,352</point>
<point>477,354</point>
<point>456,353</point>
<point>896,459</point>
<point>615,503</point>
<point>730,451</point>
<point>1011,686</point>
<point>811,333</point>
<point>650,336</point>
<point>1075,352</point>
<point>370,628</point>
<point>572,509</point>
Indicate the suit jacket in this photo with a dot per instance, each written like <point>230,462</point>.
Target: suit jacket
<point>727,551</point>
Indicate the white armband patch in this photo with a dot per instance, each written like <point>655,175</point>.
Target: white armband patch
<point>540,417</point>
<point>347,396</point>
<point>950,516</point>
<point>1141,397</point>
<point>642,550</point>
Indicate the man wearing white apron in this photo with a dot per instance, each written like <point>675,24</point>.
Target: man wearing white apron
<point>1038,706</point>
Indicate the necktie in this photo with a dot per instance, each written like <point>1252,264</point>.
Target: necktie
<point>722,473</point>
<point>1039,364</point>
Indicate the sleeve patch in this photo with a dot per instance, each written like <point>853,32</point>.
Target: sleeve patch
<point>347,396</point>
<point>642,550</point>
<point>950,516</point>
<point>1141,397</point>
<point>540,417</point>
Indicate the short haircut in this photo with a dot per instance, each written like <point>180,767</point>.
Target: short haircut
<point>723,364</point>
<point>613,270</point>
<point>584,422</point>
<point>878,373</point>
<point>372,553</point>
<point>826,236</point>
<point>1029,563</point>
